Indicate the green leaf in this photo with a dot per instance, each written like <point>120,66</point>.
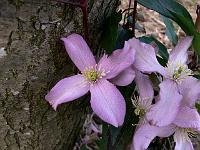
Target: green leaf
<point>197,107</point>
<point>162,50</point>
<point>196,43</point>
<point>122,36</point>
<point>126,132</point>
<point>172,10</point>
<point>170,31</point>
<point>102,143</point>
<point>83,147</point>
<point>110,29</point>
<point>114,133</point>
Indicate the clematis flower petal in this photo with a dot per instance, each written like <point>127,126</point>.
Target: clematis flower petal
<point>146,133</point>
<point>179,53</point>
<point>124,78</point>
<point>145,58</point>
<point>182,140</point>
<point>187,118</point>
<point>190,89</point>
<point>66,90</point>
<point>108,103</point>
<point>164,111</point>
<point>118,61</point>
<point>144,86</point>
<point>78,51</point>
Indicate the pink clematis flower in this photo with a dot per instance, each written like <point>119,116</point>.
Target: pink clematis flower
<point>106,100</point>
<point>185,124</point>
<point>175,73</point>
<point>168,96</point>
<point>146,61</point>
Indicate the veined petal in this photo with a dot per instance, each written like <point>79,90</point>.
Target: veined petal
<point>182,140</point>
<point>144,86</point>
<point>108,103</point>
<point>165,110</point>
<point>124,78</point>
<point>78,51</point>
<point>179,53</point>
<point>118,61</point>
<point>190,89</point>
<point>146,133</point>
<point>66,90</point>
<point>145,58</point>
<point>187,118</point>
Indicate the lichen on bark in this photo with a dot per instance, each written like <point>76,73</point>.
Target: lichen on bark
<point>35,61</point>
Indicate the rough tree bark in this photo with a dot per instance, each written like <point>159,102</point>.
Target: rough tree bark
<point>35,61</point>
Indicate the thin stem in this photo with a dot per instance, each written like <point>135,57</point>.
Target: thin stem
<point>198,9</point>
<point>134,17</point>
<point>129,6</point>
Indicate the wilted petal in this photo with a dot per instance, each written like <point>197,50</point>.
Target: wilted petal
<point>146,133</point>
<point>164,111</point>
<point>108,103</point>
<point>144,86</point>
<point>78,51</point>
<point>182,140</point>
<point>66,90</point>
<point>145,58</point>
<point>187,118</point>
<point>179,53</point>
<point>190,89</point>
<point>118,61</point>
<point>124,78</point>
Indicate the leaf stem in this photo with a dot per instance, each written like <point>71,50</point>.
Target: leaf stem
<point>134,17</point>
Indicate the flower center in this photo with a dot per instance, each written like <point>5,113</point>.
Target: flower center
<point>178,72</point>
<point>186,133</point>
<point>141,105</point>
<point>93,73</point>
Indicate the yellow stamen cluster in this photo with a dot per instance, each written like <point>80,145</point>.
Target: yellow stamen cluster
<point>191,133</point>
<point>178,72</point>
<point>187,133</point>
<point>93,73</point>
<point>141,106</point>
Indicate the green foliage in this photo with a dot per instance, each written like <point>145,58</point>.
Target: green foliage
<point>122,36</point>
<point>198,107</point>
<point>110,29</point>
<point>175,11</point>
<point>172,10</point>
<point>170,31</point>
<point>196,42</point>
<point>103,142</point>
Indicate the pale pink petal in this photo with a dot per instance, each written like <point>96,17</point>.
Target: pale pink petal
<point>179,53</point>
<point>187,118</point>
<point>146,133</point>
<point>190,89</point>
<point>124,78</point>
<point>145,58</point>
<point>108,103</point>
<point>118,61</point>
<point>144,86</point>
<point>164,111</point>
<point>66,90</point>
<point>182,141</point>
<point>78,51</point>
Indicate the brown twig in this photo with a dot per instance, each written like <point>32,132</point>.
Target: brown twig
<point>197,23</point>
<point>134,17</point>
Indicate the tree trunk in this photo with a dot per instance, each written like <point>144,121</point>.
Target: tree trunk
<point>34,59</point>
